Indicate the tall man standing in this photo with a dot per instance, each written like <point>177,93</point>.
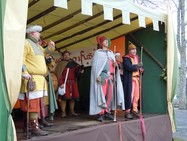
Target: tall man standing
<point>102,81</point>
<point>72,92</point>
<point>132,67</point>
<point>34,67</point>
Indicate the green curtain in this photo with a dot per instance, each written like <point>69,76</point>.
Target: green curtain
<point>172,68</point>
<point>6,130</point>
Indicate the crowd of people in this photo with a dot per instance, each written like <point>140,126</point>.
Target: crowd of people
<point>114,84</point>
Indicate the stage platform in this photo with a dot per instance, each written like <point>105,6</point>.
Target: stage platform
<point>87,128</point>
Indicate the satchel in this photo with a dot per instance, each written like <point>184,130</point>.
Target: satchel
<point>62,91</point>
<point>31,85</point>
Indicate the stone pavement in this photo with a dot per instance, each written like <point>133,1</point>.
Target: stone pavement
<point>181,121</point>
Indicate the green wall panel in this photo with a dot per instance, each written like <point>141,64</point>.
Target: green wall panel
<point>154,88</point>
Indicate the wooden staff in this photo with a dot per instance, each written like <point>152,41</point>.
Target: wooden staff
<point>141,117</point>
<point>140,87</point>
<point>27,95</point>
<point>114,86</point>
<point>115,93</point>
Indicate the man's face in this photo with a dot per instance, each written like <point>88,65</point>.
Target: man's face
<point>117,58</point>
<point>36,35</point>
<point>133,51</point>
<point>66,56</point>
<point>105,43</point>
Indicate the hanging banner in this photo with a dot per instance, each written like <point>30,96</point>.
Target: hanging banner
<point>82,56</point>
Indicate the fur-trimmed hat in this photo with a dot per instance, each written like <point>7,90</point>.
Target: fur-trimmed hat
<point>131,46</point>
<point>117,54</point>
<point>33,28</point>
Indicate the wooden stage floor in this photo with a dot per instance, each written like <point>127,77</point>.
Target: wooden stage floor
<point>70,124</point>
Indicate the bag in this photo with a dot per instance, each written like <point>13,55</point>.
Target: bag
<point>62,91</point>
<point>31,85</point>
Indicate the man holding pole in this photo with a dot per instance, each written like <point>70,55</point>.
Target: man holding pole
<point>103,97</point>
<point>34,68</point>
<point>132,69</point>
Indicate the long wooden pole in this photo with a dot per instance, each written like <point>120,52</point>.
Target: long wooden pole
<point>141,83</point>
<point>114,86</point>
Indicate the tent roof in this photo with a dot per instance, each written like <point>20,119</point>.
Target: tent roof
<point>70,28</point>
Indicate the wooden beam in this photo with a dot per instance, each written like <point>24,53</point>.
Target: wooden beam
<point>73,26</point>
<point>33,2</point>
<point>86,30</point>
<point>98,33</point>
<point>47,11</point>
<point>91,36</point>
<point>61,20</point>
<point>147,51</point>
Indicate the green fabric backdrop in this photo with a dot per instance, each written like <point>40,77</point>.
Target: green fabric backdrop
<point>154,88</point>
<point>6,130</point>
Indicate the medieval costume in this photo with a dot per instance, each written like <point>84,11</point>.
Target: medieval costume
<point>131,70</point>
<point>119,63</point>
<point>72,92</point>
<point>34,67</point>
<point>102,79</point>
<point>48,103</point>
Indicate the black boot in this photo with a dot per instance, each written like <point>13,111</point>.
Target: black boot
<point>135,114</point>
<point>44,123</point>
<point>100,118</point>
<point>109,116</point>
<point>128,115</point>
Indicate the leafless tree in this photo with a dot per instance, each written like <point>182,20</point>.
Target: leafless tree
<point>178,6</point>
<point>181,42</point>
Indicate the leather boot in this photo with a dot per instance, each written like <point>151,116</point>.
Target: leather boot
<point>45,123</point>
<point>35,130</point>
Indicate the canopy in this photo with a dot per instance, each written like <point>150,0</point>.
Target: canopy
<point>75,25</point>
<point>68,27</point>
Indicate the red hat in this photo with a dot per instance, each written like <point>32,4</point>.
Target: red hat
<point>100,39</point>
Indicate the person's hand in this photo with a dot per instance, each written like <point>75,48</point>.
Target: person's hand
<point>141,70</point>
<point>51,45</point>
<point>27,76</point>
<point>115,64</point>
<point>62,86</point>
<point>140,64</point>
<point>121,72</point>
<point>82,71</point>
<point>99,79</point>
